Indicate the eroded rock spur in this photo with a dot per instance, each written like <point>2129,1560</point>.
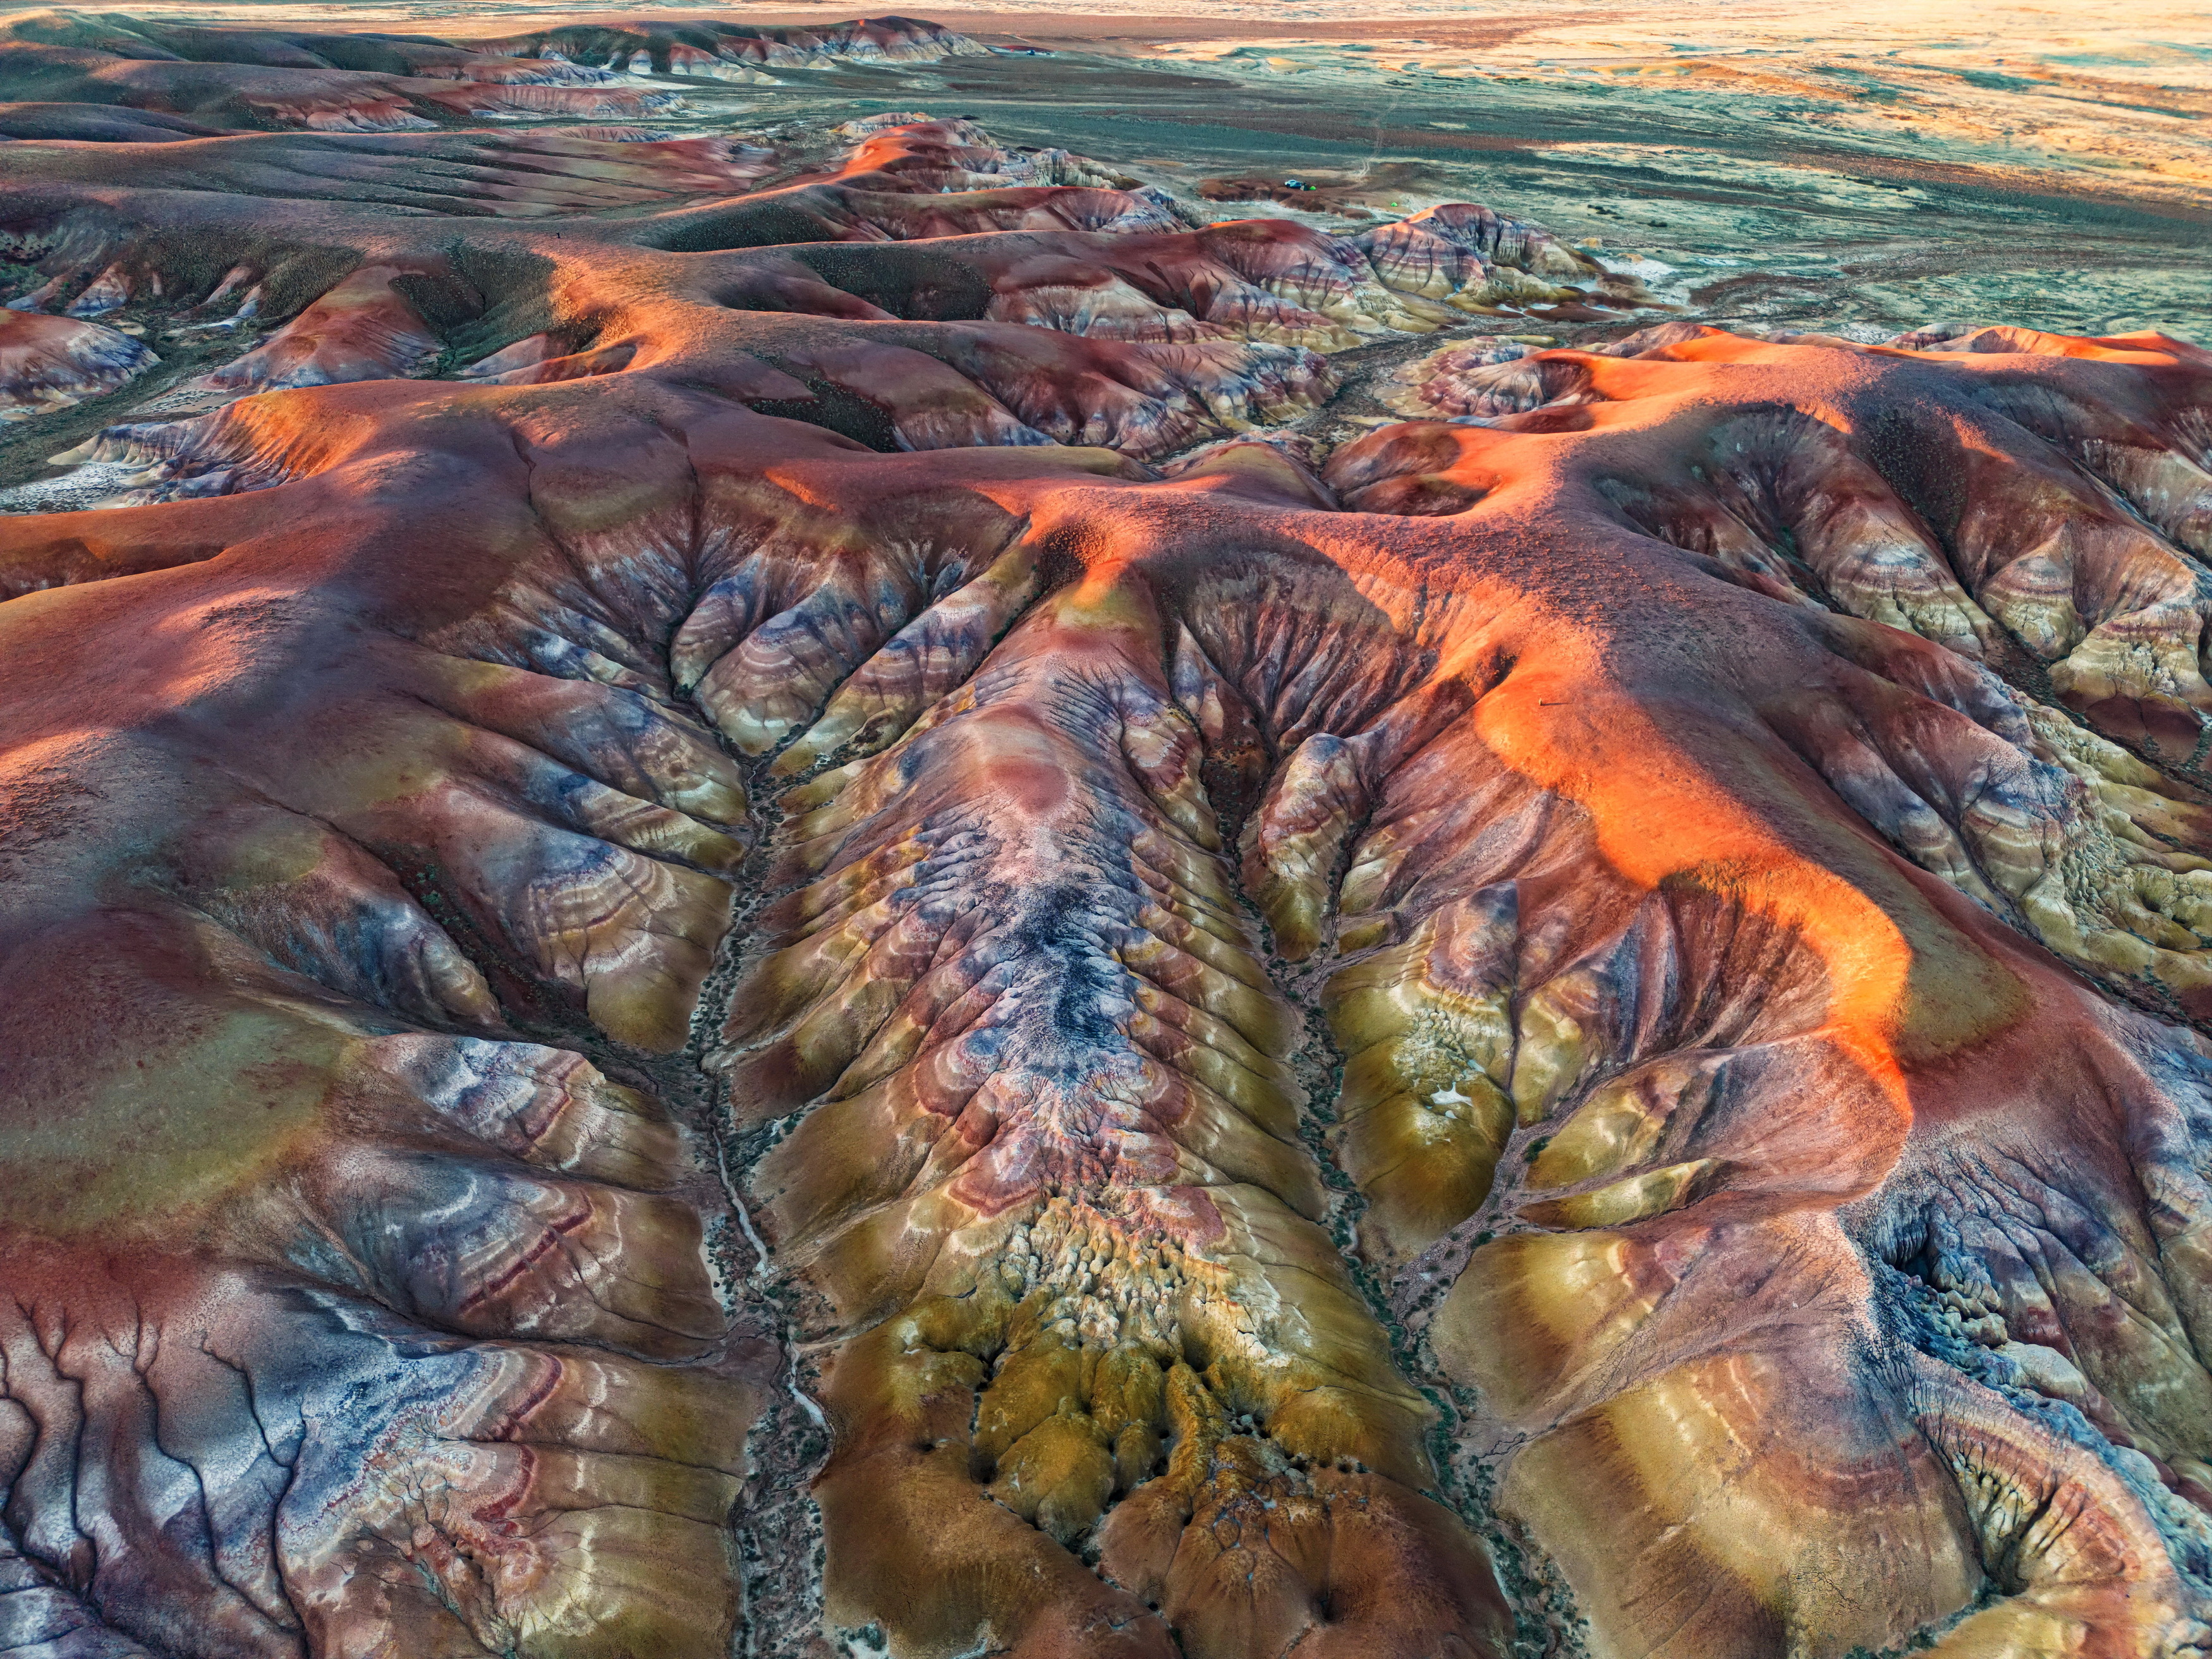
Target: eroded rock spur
<point>636,1020</point>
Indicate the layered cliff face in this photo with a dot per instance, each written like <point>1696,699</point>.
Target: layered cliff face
<point>740,916</point>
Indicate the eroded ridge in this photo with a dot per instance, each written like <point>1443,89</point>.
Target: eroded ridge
<point>1054,1203</point>
<point>1117,316</point>
<point>344,1317</point>
<point>565,900</point>
<point>104,76</point>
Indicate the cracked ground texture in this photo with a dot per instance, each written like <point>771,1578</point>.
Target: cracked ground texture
<point>747,908</point>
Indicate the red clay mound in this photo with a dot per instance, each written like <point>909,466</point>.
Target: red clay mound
<point>736,920</point>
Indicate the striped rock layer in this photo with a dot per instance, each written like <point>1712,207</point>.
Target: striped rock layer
<point>687,967</point>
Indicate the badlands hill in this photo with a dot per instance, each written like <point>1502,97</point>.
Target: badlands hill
<point>841,891</point>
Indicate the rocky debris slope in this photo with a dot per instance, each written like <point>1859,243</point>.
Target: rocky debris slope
<point>754,926</point>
